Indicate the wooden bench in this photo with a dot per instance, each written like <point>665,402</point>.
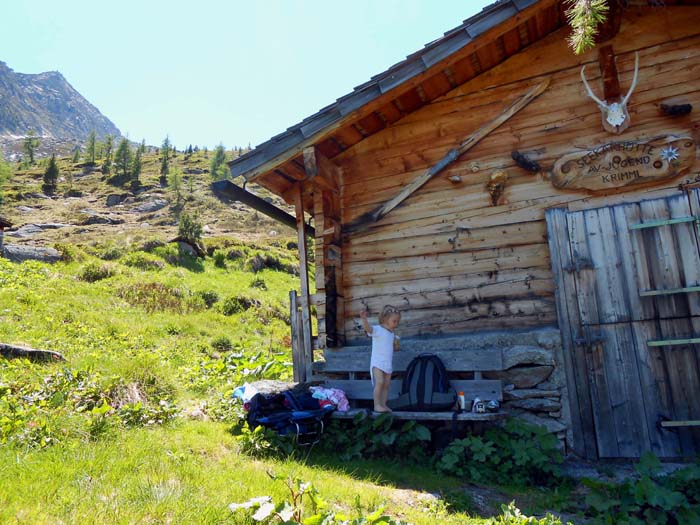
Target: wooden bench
<point>348,369</point>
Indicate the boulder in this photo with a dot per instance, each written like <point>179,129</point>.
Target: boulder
<point>522,376</point>
<point>526,355</point>
<point>529,393</point>
<point>543,404</point>
<point>115,198</point>
<point>20,253</point>
<point>151,205</point>
<point>28,230</point>
<point>551,425</point>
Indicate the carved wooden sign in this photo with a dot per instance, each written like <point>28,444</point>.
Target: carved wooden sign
<point>617,164</point>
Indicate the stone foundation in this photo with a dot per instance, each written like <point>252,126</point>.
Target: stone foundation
<point>533,376</point>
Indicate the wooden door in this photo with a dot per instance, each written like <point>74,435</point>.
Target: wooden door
<point>628,301</point>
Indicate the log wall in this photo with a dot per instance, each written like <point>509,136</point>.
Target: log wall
<point>447,256</point>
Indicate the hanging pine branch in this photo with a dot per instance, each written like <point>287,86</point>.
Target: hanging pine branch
<point>584,17</point>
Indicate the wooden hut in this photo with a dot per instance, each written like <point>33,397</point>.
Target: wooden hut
<point>520,210</point>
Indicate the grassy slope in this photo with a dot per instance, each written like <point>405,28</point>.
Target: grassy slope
<point>185,471</point>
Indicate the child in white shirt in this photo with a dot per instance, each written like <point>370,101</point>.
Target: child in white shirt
<point>384,343</point>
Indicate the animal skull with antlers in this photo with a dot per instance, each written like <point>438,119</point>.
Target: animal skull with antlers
<point>616,119</point>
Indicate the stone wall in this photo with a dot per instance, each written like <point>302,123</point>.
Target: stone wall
<point>533,375</point>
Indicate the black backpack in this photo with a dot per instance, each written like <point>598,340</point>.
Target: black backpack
<point>299,416</point>
<point>425,386</point>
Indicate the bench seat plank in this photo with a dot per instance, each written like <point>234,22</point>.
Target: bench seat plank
<point>424,416</point>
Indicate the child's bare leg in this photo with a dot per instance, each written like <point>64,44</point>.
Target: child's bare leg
<point>385,391</point>
<point>378,392</point>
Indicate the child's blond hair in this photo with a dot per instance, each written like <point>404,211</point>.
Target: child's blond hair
<point>387,312</point>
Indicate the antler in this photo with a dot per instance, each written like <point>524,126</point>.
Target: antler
<point>600,103</point>
<point>634,79</point>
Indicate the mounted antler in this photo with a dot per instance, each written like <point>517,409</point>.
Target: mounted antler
<point>616,119</point>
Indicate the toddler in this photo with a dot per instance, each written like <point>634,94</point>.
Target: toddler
<point>384,343</point>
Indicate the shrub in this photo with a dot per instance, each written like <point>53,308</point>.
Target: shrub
<point>259,262</point>
<point>153,297</point>
<point>236,304</point>
<point>208,297</point>
<point>190,228</point>
<point>652,498</point>
<point>69,253</point>
<point>169,253</point>
<point>518,453</point>
<point>383,437</point>
<point>110,252</point>
<point>143,261</point>
<point>219,259</point>
<point>96,271</point>
<point>511,515</point>
<point>222,344</point>
<point>258,282</point>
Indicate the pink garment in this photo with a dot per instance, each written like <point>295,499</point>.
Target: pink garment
<point>334,395</point>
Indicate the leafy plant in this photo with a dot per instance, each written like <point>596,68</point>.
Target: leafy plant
<point>511,515</point>
<point>652,499</point>
<point>518,453</point>
<point>296,510</point>
<point>364,437</point>
<point>153,297</point>
<point>96,271</point>
<point>143,261</point>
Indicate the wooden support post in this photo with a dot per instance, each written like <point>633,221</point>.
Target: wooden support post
<point>304,279</point>
<point>298,366</point>
<point>452,155</point>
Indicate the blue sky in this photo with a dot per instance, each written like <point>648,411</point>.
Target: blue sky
<point>218,71</point>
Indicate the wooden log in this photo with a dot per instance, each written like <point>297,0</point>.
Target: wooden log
<point>33,354</point>
<point>225,189</point>
<point>451,156</point>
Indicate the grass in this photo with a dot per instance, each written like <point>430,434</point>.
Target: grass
<point>68,463</point>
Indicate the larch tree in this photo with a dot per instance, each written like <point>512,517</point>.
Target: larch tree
<point>217,165</point>
<point>30,145</point>
<point>90,147</point>
<point>122,158</point>
<point>107,154</point>
<point>50,177</point>
<point>584,16</point>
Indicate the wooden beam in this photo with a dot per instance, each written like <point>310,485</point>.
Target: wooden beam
<point>320,170</point>
<point>452,155</point>
<point>305,328</point>
<point>608,69</point>
<point>225,190</point>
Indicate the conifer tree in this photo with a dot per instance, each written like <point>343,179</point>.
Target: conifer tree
<point>76,154</point>
<point>164,159</point>
<point>175,184</point>
<point>122,158</point>
<point>50,176</point>
<point>31,143</point>
<point>90,147</point>
<point>136,166</point>
<point>584,17</point>
<point>217,166</point>
<point>107,152</point>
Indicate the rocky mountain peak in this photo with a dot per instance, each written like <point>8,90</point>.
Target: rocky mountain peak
<point>48,105</point>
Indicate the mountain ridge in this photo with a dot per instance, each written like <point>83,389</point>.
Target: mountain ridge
<point>49,105</point>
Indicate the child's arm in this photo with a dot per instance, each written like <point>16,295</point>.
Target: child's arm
<point>365,324</point>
